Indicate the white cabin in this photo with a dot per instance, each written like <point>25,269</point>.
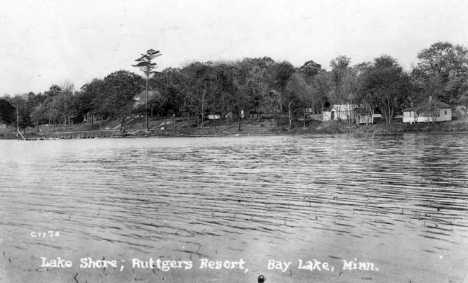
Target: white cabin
<point>433,111</point>
<point>339,112</point>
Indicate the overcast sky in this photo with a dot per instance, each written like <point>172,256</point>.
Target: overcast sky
<point>50,41</point>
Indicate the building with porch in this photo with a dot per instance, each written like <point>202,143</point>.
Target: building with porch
<point>430,111</point>
<point>352,112</point>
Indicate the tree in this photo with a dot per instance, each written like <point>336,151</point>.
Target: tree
<point>280,74</point>
<point>212,88</point>
<point>310,69</point>
<point>259,86</point>
<point>89,99</point>
<point>170,84</point>
<point>63,102</point>
<point>238,88</point>
<point>441,72</point>
<point>388,84</point>
<point>38,114</point>
<point>7,112</point>
<point>355,85</point>
<point>196,92</point>
<point>48,102</point>
<point>147,66</point>
<point>298,97</point>
<point>36,101</point>
<point>221,81</point>
<point>340,66</point>
<point>321,87</point>
<point>463,100</point>
<point>118,97</point>
<point>23,111</point>
<point>351,92</point>
<point>340,71</point>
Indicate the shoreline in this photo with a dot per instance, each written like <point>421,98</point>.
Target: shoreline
<point>355,134</point>
<point>180,128</point>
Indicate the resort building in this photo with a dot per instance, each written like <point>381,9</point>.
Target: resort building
<point>431,111</point>
<point>339,112</point>
<point>351,112</point>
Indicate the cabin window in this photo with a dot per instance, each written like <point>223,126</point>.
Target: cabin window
<point>445,112</point>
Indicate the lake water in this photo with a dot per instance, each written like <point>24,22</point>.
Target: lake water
<point>396,204</point>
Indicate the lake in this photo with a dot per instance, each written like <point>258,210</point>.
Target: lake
<point>294,209</point>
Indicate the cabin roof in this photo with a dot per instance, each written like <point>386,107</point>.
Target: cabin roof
<point>343,107</point>
<point>425,105</point>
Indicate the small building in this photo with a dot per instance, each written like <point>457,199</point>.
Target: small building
<point>431,111</point>
<point>352,112</point>
<point>339,112</point>
<point>342,111</point>
<point>363,116</point>
<point>326,116</point>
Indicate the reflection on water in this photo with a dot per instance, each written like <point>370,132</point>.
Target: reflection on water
<point>397,201</point>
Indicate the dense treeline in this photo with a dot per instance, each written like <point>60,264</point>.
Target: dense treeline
<point>253,87</point>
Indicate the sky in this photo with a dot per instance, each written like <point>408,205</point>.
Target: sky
<point>53,41</point>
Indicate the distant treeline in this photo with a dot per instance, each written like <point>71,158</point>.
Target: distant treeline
<point>253,86</point>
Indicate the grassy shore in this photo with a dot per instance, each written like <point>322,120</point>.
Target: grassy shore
<point>176,127</point>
